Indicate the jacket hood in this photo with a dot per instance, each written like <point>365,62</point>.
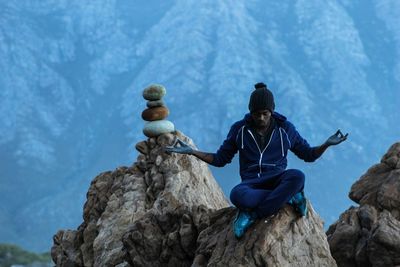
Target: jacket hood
<point>279,117</point>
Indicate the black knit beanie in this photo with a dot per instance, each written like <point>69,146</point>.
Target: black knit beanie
<point>261,98</point>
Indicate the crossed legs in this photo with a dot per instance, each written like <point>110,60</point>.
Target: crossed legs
<point>266,197</point>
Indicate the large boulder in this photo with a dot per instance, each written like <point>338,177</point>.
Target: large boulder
<point>283,240</point>
<point>155,185</point>
<point>369,235</point>
<point>190,238</point>
<point>168,210</point>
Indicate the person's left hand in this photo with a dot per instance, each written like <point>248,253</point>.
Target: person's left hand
<point>336,139</point>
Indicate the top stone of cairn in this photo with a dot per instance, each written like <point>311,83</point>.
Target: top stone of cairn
<point>154,92</point>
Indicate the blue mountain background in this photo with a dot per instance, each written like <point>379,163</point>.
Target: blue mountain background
<point>72,75</point>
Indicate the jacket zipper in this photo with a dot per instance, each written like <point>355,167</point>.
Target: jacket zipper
<point>261,153</point>
<point>287,138</point>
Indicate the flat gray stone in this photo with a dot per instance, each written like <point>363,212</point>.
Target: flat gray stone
<point>156,128</point>
<point>155,103</point>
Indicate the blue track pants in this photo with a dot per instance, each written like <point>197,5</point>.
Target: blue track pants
<point>266,196</point>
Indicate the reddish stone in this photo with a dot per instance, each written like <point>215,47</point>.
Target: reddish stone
<point>155,114</point>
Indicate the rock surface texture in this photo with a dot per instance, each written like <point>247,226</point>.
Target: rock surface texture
<point>369,235</point>
<point>168,210</point>
<point>283,240</point>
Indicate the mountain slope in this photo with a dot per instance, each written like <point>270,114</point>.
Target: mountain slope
<point>73,72</point>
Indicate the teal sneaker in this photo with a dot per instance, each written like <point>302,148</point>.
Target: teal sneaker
<point>299,202</point>
<point>242,222</point>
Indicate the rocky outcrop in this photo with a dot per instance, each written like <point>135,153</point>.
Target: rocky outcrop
<point>369,235</point>
<point>168,210</point>
<point>156,185</point>
<point>283,240</point>
<point>179,239</point>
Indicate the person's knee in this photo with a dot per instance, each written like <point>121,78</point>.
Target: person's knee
<point>236,194</point>
<point>241,197</point>
<point>296,175</point>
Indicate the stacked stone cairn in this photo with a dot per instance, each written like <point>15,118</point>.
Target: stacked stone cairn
<point>156,112</point>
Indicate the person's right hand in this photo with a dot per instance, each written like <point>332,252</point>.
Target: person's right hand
<point>182,149</point>
<point>336,138</point>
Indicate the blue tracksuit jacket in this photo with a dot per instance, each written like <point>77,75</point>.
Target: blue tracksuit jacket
<point>266,163</point>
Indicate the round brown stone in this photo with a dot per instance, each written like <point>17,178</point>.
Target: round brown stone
<point>155,114</point>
